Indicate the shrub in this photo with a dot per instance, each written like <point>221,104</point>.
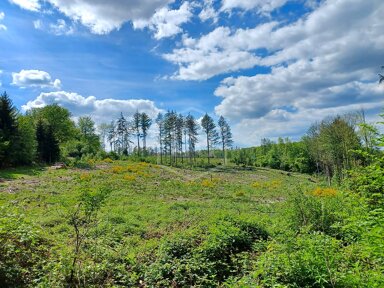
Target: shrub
<point>205,256</point>
<point>23,251</point>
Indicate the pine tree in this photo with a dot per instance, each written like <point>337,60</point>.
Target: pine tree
<point>225,136</point>
<point>160,125</point>
<point>145,124</point>
<point>136,127</point>
<point>209,129</point>
<point>179,126</point>
<point>192,132</point>
<point>122,134</point>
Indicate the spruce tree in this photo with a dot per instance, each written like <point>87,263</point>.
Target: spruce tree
<point>8,129</point>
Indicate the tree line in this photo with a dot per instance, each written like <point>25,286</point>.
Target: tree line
<point>330,147</point>
<point>176,135</point>
<point>48,134</point>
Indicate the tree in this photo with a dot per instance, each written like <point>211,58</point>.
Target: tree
<point>209,129</point>
<point>225,136</point>
<point>330,144</point>
<point>48,150</point>
<point>104,129</point>
<point>25,143</point>
<point>122,136</point>
<point>145,124</point>
<point>160,124</point>
<point>86,126</point>
<point>192,132</point>
<point>136,127</point>
<point>8,129</point>
<point>88,137</point>
<point>179,128</point>
<point>58,118</point>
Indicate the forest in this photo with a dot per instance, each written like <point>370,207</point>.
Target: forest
<point>122,213</point>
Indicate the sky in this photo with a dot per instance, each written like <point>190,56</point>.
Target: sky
<point>270,67</point>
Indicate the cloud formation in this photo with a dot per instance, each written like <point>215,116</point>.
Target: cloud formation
<point>104,110</point>
<point>102,17</point>
<point>34,78</point>
<point>262,6</point>
<point>31,5</point>
<point>2,26</point>
<point>166,22</point>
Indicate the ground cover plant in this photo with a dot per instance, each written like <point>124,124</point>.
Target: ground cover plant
<point>125,223</point>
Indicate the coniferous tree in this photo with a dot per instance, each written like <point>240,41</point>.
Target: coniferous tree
<point>48,149</point>
<point>136,127</point>
<point>160,125</point>
<point>225,136</point>
<point>145,124</point>
<point>209,129</point>
<point>192,131</point>
<point>8,129</point>
<point>179,126</point>
<point>122,134</point>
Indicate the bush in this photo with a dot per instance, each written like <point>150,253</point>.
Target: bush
<point>205,256</point>
<point>23,251</point>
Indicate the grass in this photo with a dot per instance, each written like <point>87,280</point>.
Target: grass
<point>147,206</point>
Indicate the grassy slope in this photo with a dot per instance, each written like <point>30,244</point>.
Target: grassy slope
<point>147,202</point>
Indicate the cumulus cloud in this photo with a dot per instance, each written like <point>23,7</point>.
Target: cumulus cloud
<point>103,110</point>
<point>34,78</point>
<point>220,51</point>
<point>32,5</point>
<point>166,22</point>
<point>262,6</point>
<point>102,17</point>
<point>208,12</point>
<point>323,64</point>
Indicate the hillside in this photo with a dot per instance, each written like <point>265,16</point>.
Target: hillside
<point>146,225</point>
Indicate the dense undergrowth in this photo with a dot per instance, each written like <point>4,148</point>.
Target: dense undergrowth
<point>120,223</point>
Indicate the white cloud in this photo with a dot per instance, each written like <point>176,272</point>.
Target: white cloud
<point>34,78</point>
<point>262,6</point>
<point>102,17</point>
<point>104,110</point>
<point>61,28</point>
<point>220,51</point>
<point>166,22</point>
<point>38,24</point>
<point>2,26</point>
<point>32,5</point>
<point>208,12</point>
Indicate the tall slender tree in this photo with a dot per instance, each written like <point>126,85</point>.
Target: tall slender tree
<point>212,136</point>
<point>225,136</point>
<point>160,125</point>
<point>136,127</point>
<point>145,124</point>
<point>192,129</point>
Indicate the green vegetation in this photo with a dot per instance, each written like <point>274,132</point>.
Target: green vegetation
<point>126,223</point>
<point>119,219</point>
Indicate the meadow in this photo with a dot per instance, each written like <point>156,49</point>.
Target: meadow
<point>137,224</point>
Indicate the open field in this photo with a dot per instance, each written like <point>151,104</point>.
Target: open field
<point>153,225</point>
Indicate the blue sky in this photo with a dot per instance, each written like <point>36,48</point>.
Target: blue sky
<point>271,67</point>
